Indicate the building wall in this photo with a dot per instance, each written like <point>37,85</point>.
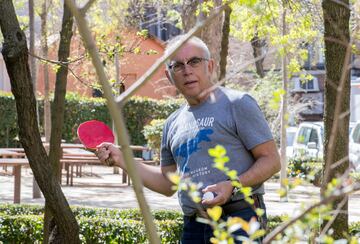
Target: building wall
<point>4,78</point>
<point>132,67</point>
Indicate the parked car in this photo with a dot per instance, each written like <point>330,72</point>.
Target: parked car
<point>354,146</point>
<point>290,138</point>
<point>308,140</point>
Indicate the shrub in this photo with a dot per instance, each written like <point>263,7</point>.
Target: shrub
<point>21,228</point>
<point>8,122</point>
<point>153,134</point>
<point>98,229</point>
<point>137,113</point>
<point>305,168</point>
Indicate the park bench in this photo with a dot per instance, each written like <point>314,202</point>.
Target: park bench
<point>73,156</point>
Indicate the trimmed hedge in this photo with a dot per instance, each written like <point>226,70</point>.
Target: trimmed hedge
<point>24,224</point>
<point>135,214</point>
<point>8,123</point>
<point>137,113</point>
<point>29,229</point>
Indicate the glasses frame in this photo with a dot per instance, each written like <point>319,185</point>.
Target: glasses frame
<point>181,68</point>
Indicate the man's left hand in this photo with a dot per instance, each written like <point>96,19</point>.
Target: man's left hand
<point>222,191</point>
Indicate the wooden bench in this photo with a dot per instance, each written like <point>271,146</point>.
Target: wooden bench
<point>16,163</point>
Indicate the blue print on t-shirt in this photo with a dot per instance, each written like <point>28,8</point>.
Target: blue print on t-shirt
<point>191,146</point>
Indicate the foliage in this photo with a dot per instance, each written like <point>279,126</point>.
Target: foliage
<point>23,223</point>
<point>254,18</point>
<point>153,134</point>
<point>305,168</point>
<point>8,122</point>
<point>137,112</point>
<point>24,209</point>
<point>23,228</point>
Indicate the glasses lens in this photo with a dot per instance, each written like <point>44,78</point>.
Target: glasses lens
<point>177,67</point>
<point>194,62</point>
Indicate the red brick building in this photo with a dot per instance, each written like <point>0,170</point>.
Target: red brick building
<point>131,66</point>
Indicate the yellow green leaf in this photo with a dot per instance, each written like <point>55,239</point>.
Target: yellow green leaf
<point>174,178</point>
<point>214,213</point>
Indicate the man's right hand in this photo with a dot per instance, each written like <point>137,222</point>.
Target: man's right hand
<point>110,155</point>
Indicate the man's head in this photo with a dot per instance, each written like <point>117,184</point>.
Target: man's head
<point>190,68</point>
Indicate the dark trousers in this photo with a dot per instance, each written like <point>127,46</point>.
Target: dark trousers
<point>199,233</point>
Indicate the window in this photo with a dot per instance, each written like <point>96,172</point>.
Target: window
<point>314,136</point>
<point>356,134</point>
<point>303,85</point>
<point>304,135</point>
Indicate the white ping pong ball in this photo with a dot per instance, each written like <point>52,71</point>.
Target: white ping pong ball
<point>208,196</point>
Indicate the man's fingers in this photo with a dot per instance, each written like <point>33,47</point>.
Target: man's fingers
<point>209,188</point>
<point>218,200</point>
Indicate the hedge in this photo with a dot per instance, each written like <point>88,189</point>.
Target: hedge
<point>29,229</point>
<point>24,224</point>
<point>24,209</point>
<point>137,113</point>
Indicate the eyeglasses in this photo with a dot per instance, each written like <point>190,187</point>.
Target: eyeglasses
<point>194,62</point>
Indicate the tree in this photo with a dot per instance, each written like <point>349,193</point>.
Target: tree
<point>336,116</point>
<point>215,35</point>
<point>36,190</point>
<point>15,54</point>
<point>45,50</point>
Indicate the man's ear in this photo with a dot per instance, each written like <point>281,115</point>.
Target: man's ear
<point>169,76</point>
<point>211,65</point>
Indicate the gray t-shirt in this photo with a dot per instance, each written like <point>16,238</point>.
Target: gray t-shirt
<point>229,118</point>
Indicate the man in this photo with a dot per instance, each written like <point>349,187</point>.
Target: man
<point>212,116</point>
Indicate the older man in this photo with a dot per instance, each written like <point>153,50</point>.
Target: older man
<point>212,116</point>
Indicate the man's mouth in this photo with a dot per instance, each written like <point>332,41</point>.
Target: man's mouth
<point>190,82</point>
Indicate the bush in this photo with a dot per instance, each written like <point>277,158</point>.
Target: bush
<point>8,122</point>
<point>137,113</point>
<point>153,134</point>
<point>21,228</point>
<point>306,168</point>
<point>24,224</point>
<point>24,209</point>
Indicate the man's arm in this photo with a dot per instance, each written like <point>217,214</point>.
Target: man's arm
<point>154,178</point>
<point>267,163</point>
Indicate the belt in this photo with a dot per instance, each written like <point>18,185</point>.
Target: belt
<point>235,206</point>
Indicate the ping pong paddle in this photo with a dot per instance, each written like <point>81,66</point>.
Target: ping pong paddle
<point>92,133</point>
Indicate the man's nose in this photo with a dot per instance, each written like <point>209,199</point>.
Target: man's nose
<point>187,69</point>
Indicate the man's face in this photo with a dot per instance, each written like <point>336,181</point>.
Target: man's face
<point>190,72</point>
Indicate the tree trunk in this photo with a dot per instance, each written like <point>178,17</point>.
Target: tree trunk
<point>44,47</point>
<point>337,99</point>
<point>36,189</point>
<point>15,54</point>
<point>32,44</point>
<point>257,45</point>
<point>283,112</point>
<point>211,34</point>
<point>58,107</point>
<point>225,42</point>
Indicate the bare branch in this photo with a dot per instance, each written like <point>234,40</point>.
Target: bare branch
<point>333,217</point>
<point>56,62</point>
<point>86,7</point>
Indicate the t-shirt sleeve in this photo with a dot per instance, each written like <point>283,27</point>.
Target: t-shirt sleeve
<point>166,157</point>
<point>251,125</point>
